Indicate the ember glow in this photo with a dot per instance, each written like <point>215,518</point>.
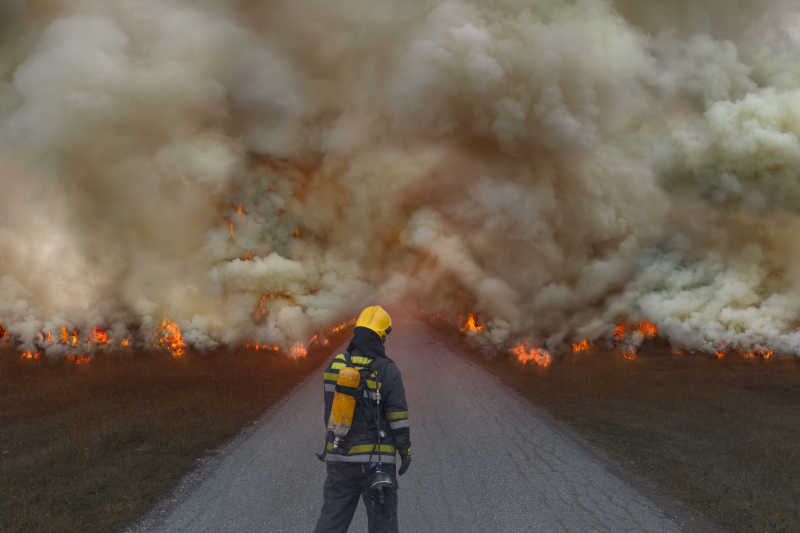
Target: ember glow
<point>169,338</point>
<point>261,347</point>
<point>630,353</point>
<point>526,355</point>
<point>298,349</point>
<point>79,359</point>
<point>261,308</point>
<point>31,356</point>
<point>757,353</point>
<point>3,332</point>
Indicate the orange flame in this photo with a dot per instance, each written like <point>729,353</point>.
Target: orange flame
<point>619,331</point>
<point>99,336</point>
<point>49,337</point>
<point>69,338</point>
<point>537,355</point>
<point>248,256</point>
<point>720,354</point>
<point>171,338</point>
<point>259,347</point>
<point>629,353</point>
<point>759,352</point>
<point>297,351</point>
<point>582,346</point>
<point>231,232</point>
<point>647,329</point>
<point>31,356</point>
<point>240,210</point>
<point>297,233</point>
<point>3,332</point>
<point>125,342</point>
<point>339,327</point>
<point>472,324</point>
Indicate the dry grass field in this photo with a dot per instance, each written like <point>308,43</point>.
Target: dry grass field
<point>721,436</point>
<point>92,447</point>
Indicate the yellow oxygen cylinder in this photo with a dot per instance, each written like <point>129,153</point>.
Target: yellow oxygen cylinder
<point>344,405</point>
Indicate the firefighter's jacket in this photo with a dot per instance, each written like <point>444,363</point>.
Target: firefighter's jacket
<point>361,443</point>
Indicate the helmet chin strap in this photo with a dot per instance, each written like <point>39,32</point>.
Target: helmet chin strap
<point>385,335</point>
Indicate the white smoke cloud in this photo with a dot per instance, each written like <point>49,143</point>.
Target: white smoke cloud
<point>557,166</point>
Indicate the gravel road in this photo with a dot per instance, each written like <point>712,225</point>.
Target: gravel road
<point>485,460</point>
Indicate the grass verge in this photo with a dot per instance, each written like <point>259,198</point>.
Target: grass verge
<point>93,447</point>
<point>721,436</point>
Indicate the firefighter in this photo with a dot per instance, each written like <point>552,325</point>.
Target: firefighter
<point>365,457</point>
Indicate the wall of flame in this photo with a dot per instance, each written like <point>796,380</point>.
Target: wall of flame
<point>258,172</point>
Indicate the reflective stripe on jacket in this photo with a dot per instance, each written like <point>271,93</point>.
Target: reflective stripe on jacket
<point>361,442</point>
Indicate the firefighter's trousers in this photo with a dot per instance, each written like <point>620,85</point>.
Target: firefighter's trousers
<point>345,483</point>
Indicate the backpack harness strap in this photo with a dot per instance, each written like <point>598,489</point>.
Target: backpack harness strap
<point>355,392</point>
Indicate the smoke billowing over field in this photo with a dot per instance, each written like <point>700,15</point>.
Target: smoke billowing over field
<point>256,171</point>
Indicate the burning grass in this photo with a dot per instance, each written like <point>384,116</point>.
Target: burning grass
<point>91,447</point>
<point>719,435</point>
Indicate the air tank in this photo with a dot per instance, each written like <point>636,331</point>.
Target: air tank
<point>344,405</point>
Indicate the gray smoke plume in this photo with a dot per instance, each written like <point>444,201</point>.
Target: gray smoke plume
<point>256,171</point>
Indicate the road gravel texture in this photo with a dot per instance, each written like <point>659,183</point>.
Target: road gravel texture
<point>484,460</point>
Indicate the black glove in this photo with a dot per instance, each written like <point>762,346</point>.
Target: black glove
<point>406,462</point>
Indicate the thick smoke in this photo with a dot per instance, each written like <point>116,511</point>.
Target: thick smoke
<point>257,171</point>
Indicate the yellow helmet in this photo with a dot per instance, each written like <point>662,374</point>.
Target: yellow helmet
<point>377,319</point>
